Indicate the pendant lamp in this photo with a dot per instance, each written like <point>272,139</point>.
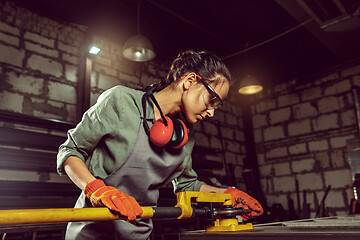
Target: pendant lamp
<point>249,84</point>
<point>138,48</point>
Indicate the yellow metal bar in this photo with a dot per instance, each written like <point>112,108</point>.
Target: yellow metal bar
<point>60,215</point>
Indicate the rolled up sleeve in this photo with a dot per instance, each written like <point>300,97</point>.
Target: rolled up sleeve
<point>98,121</point>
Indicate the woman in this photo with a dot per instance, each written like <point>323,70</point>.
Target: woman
<point>119,158</point>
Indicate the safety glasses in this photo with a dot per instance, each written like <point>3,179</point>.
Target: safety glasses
<point>215,101</point>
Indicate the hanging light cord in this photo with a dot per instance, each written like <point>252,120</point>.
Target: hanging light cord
<point>138,18</point>
<point>269,40</point>
<point>216,37</point>
<point>183,19</point>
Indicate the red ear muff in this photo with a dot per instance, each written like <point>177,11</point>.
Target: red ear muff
<point>173,134</point>
<point>180,135</point>
<point>160,134</point>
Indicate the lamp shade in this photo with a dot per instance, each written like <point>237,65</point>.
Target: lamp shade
<point>139,49</point>
<point>249,85</point>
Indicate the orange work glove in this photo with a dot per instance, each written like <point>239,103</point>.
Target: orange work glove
<point>241,199</point>
<point>102,195</point>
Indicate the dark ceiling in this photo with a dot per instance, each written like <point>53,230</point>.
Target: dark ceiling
<point>286,49</point>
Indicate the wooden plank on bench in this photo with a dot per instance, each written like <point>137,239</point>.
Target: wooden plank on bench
<point>26,159</point>
<point>35,189</point>
<point>29,139</point>
<point>35,121</point>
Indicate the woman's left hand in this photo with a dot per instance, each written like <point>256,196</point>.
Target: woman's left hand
<point>242,199</point>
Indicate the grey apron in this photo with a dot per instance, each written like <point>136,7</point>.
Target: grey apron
<point>145,169</point>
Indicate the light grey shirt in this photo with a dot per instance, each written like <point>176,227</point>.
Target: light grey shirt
<point>107,133</point>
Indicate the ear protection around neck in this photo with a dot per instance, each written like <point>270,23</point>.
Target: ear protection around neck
<point>165,131</point>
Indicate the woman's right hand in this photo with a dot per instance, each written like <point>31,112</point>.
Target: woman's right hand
<point>98,192</point>
<point>102,195</point>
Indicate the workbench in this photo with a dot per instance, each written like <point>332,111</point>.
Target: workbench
<point>334,228</point>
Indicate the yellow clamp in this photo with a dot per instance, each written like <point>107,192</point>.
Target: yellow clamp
<point>184,200</point>
<point>228,225</point>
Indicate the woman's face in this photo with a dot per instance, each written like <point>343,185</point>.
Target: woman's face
<point>199,102</point>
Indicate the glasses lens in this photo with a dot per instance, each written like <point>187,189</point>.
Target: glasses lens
<point>215,103</point>
<point>211,102</point>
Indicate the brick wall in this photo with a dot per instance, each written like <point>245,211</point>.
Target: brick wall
<point>224,132</point>
<point>40,64</point>
<point>300,131</point>
<point>111,69</point>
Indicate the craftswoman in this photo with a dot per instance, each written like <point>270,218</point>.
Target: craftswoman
<point>132,142</point>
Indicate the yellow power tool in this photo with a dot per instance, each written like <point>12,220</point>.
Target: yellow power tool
<point>218,208</point>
